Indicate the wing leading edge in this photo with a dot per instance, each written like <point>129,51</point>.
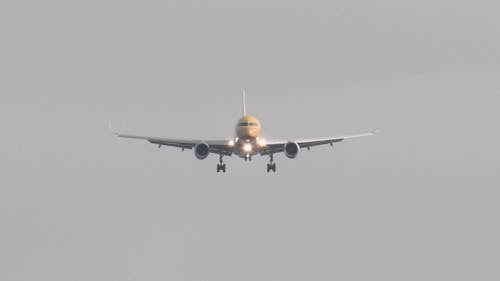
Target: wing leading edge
<point>215,146</point>
<point>278,146</point>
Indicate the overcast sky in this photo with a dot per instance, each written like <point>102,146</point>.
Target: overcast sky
<point>418,202</point>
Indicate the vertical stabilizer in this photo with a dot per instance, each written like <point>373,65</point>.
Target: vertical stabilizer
<point>244,103</point>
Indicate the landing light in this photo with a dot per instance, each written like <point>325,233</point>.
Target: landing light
<point>231,143</point>
<point>247,147</point>
<point>261,142</point>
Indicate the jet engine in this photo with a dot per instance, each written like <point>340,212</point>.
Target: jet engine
<point>292,149</point>
<point>201,150</point>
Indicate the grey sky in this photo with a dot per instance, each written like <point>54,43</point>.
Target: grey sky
<point>418,202</point>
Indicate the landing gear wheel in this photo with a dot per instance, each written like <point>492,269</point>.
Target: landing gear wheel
<point>271,167</point>
<point>221,167</point>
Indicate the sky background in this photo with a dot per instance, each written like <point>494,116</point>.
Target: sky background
<point>418,202</point>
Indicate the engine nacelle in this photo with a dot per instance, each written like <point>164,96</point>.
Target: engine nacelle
<point>292,149</point>
<point>201,150</point>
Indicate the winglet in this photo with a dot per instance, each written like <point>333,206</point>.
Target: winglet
<point>244,103</point>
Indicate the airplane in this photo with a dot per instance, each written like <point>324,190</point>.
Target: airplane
<point>246,143</point>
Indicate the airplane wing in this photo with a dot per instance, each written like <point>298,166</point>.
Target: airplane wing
<point>215,146</point>
<point>279,146</point>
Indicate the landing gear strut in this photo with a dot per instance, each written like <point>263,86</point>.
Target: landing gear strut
<point>271,166</point>
<point>221,166</point>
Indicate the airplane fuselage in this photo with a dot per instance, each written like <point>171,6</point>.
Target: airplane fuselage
<point>247,141</point>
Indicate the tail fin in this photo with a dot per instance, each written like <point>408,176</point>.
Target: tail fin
<point>244,103</point>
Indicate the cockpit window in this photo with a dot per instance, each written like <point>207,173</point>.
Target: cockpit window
<point>246,124</point>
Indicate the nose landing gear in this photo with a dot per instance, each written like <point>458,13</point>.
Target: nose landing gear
<point>271,166</point>
<point>221,166</point>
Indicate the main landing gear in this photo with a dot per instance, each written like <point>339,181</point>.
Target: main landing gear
<point>271,166</point>
<point>221,166</point>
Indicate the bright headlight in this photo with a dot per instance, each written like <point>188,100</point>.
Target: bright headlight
<point>247,147</point>
<point>261,142</point>
<point>231,143</point>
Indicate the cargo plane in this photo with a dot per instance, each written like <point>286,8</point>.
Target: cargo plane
<point>247,143</point>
